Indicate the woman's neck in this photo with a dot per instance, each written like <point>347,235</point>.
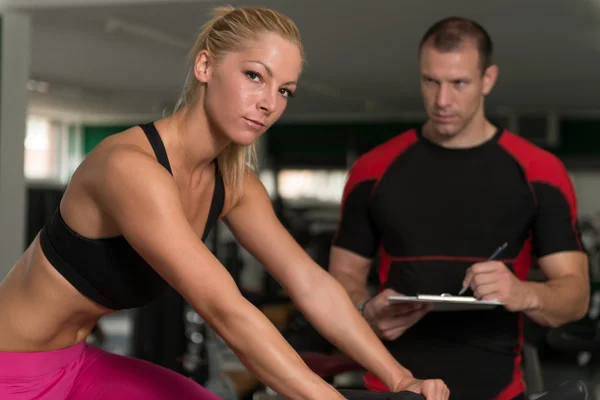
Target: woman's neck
<point>190,139</point>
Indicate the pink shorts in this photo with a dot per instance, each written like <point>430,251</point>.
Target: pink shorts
<point>85,372</point>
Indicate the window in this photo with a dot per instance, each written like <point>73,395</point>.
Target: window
<point>50,150</point>
<point>312,184</point>
<point>267,177</point>
<point>40,151</point>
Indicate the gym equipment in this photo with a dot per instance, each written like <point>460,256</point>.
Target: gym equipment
<point>97,337</point>
<point>355,395</point>
<point>217,383</point>
<point>532,371</point>
<point>583,340</point>
<point>195,359</point>
<point>158,331</point>
<point>576,390</point>
<point>202,360</point>
<point>590,237</point>
<point>575,344</point>
<point>159,328</point>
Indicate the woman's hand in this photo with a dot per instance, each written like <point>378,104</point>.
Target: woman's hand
<point>432,389</point>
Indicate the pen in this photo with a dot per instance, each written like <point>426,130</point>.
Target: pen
<point>497,253</point>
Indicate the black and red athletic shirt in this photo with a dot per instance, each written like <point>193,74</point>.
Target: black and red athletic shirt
<point>431,212</point>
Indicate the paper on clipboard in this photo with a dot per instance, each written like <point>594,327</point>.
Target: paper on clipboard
<point>447,302</point>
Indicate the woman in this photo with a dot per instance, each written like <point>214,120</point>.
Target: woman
<point>129,225</point>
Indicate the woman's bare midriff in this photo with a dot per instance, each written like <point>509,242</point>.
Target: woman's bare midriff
<point>41,310</point>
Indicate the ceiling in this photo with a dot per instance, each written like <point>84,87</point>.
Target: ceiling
<point>361,54</point>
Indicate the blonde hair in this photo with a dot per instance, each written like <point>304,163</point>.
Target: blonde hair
<point>230,30</point>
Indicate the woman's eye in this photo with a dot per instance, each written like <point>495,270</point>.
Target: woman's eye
<point>287,93</point>
<point>253,76</point>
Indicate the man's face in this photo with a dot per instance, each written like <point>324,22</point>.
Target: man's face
<point>453,86</point>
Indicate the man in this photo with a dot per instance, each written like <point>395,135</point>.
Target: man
<point>436,202</point>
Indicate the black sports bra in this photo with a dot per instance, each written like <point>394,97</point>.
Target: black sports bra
<point>108,270</point>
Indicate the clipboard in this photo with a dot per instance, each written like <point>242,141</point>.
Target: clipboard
<point>448,302</point>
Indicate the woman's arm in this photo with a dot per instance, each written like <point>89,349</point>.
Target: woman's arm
<point>141,198</point>
<point>318,296</point>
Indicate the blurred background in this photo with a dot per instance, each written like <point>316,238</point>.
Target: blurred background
<point>76,71</point>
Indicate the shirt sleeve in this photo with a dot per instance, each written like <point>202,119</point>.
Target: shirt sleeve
<point>555,228</point>
<point>357,232</point>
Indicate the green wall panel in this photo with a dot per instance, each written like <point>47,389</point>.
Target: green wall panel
<point>329,143</point>
<point>579,138</point>
<point>94,134</point>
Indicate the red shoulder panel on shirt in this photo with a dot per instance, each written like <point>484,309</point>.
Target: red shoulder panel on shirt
<point>373,164</point>
<point>539,165</point>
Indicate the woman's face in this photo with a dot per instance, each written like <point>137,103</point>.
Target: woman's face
<point>247,91</point>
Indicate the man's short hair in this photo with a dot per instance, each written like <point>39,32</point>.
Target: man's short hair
<point>450,34</point>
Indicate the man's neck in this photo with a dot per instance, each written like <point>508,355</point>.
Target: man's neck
<point>474,134</point>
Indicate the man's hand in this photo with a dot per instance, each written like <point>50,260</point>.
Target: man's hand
<point>432,389</point>
<point>389,321</point>
<point>492,280</point>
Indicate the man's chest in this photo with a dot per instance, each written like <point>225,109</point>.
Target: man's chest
<point>459,205</point>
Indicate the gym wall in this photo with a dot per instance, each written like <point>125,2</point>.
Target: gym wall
<point>335,145</point>
<point>323,142</point>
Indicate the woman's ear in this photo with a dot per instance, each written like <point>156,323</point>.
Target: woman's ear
<point>202,67</point>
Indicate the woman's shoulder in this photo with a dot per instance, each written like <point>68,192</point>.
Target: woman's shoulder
<point>117,168</point>
<point>131,138</point>
<point>126,153</point>
<point>123,145</point>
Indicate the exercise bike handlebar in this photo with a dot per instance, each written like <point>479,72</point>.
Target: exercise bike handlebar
<point>366,395</point>
<point>575,390</point>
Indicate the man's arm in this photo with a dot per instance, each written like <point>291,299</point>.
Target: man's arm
<point>351,270</point>
<point>565,296</point>
<point>557,243</point>
<point>357,237</point>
